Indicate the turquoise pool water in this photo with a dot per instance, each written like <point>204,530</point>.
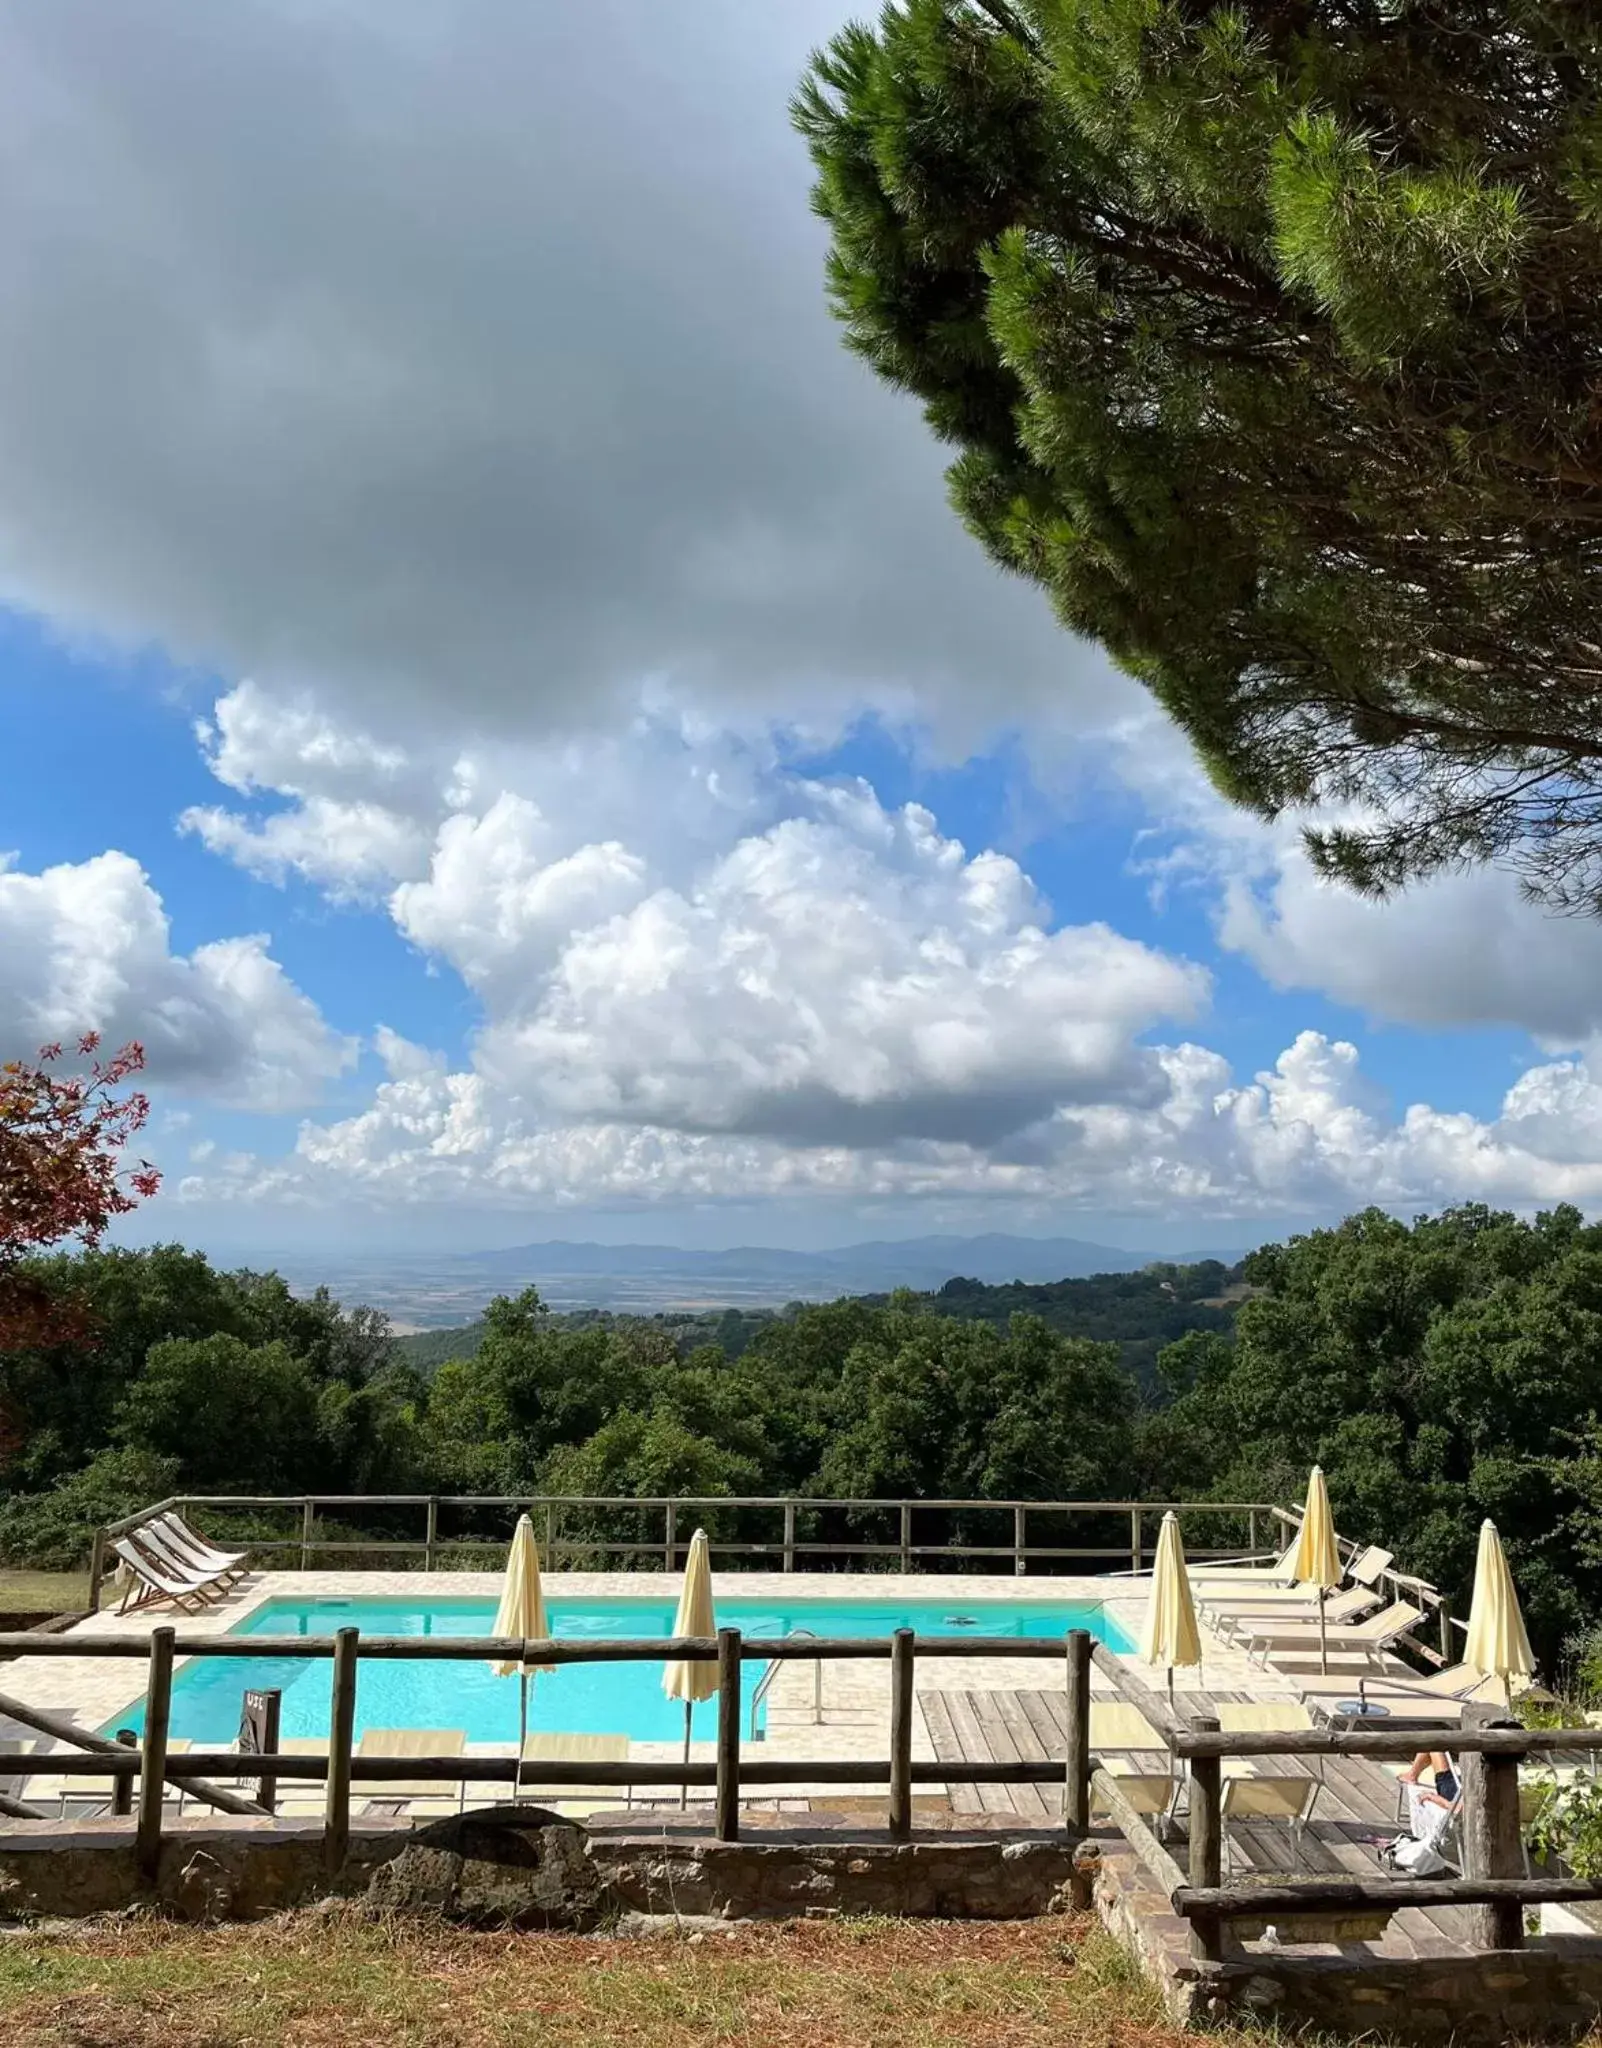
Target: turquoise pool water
<point>600,1699</point>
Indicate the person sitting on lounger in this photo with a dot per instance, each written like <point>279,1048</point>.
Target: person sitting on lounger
<point>1426,1801</point>
<point>1432,1789</point>
<point>1441,1790</point>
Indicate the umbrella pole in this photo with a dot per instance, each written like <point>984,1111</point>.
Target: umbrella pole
<point>522,1732</point>
<point>1323,1636</point>
<point>684,1787</point>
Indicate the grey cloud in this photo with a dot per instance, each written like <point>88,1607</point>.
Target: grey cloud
<point>471,358</point>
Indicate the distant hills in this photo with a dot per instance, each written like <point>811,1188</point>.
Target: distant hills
<point>1139,1311</point>
<point>921,1262</point>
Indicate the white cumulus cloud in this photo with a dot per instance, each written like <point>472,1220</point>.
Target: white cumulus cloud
<point>86,947</point>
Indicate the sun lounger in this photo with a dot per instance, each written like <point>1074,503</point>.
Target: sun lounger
<point>1274,1571</point>
<point>1434,1698</point>
<point>1341,1610</point>
<point>542,1748</point>
<point>1221,1604</point>
<point>154,1578</point>
<point>1257,1717</point>
<point>1150,1794</point>
<point>434,1795</point>
<point>1248,1795</point>
<point>201,1554</point>
<point>155,1542</point>
<point>1370,1639</point>
<point>1118,1724</point>
<point>299,1798</point>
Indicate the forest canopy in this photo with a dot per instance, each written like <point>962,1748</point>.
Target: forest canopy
<point>1440,1371</point>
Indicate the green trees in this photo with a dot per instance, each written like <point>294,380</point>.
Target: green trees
<point>1267,337</point>
<point>1440,1373</point>
<point>179,1375</point>
<point>928,1406</point>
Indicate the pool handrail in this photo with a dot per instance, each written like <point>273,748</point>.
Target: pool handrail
<point>765,1683</point>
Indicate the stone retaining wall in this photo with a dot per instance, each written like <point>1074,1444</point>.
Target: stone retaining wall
<point>520,1865</point>
<point>1550,1990</point>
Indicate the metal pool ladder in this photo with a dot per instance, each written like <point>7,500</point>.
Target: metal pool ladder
<point>765,1682</point>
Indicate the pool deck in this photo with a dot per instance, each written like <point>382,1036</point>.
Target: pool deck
<point>855,1692</point>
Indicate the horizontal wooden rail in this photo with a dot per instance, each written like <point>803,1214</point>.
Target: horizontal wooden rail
<point>1137,1831</point>
<point>470,1770</point>
<point>688,1500</point>
<point>1128,1525</point>
<point>1385,1743</point>
<point>1323,1895</point>
<point>557,1650</point>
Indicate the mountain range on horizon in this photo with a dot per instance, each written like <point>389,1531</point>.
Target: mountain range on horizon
<point>446,1288</point>
<point>993,1256</point>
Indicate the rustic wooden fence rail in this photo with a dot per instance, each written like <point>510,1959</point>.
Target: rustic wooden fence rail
<point>154,1766</point>
<point>1264,1522</point>
<point>1493,1884</point>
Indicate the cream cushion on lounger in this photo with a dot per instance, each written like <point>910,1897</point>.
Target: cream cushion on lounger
<point>435,1795</point>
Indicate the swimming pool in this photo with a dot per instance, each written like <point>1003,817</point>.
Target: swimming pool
<point>621,1699</point>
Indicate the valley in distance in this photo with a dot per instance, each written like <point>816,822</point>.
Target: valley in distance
<point>421,1292</point>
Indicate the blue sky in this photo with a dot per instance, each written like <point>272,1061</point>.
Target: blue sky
<point>496,700</point>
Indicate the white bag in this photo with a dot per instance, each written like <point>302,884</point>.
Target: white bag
<point>1417,1859</point>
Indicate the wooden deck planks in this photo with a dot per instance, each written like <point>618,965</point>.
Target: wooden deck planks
<point>948,1749</point>
<point>1356,1805</point>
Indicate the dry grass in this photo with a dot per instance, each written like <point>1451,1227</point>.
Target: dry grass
<point>307,1983</point>
<point>43,1592</point>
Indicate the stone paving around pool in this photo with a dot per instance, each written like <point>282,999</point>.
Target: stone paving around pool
<point>855,1691</point>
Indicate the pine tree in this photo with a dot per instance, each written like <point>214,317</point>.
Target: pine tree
<point>1269,337</point>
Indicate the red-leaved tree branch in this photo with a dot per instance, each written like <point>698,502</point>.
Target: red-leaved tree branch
<point>63,1176</point>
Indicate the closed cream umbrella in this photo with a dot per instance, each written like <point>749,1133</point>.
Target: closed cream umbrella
<point>1497,1642</point>
<point>1171,1636</point>
<point>522,1613</point>
<point>693,1679</point>
<point>1317,1561</point>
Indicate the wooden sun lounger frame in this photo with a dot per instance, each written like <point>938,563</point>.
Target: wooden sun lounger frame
<point>155,1580</point>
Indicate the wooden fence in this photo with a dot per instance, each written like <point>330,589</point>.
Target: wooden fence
<point>1263,1523</point>
<point>151,1766</point>
<point>1493,1882</point>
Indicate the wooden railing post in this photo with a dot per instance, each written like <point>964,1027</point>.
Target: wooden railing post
<point>670,1535</point>
<point>550,1535</point>
<point>1251,1532</point>
<point>1020,1541</point>
<point>153,1762</point>
<point>1492,1838</point>
<point>97,1570</point>
<point>271,1720</point>
<point>308,1528</point>
<point>122,1788</point>
<point>902,1650</point>
<point>431,1533</point>
<point>1135,1558</point>
<point>341,1729</point>
<point>906,1535</point>
<point>728,1782</point>
<point>1206,1837</point>
<point>789,1535</point>
<point>1076,1778</point>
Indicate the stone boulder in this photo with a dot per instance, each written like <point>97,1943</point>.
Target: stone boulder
<point>507,1866</point>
